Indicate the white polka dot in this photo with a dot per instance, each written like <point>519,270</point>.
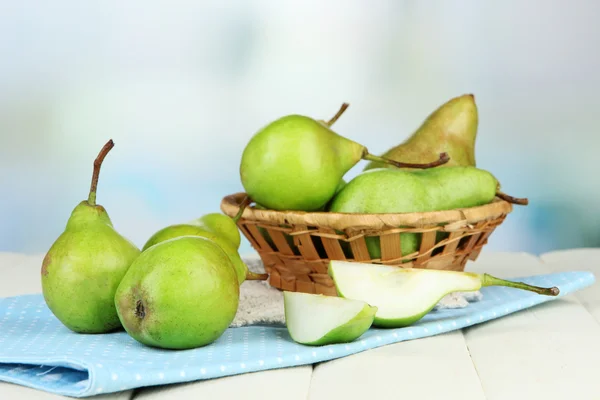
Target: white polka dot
<point>261,362</point>
<point>99,390</point>
<point>494,313</point>
<point>425,330</point>
<point>314,353</point>
<point>395,334</point>
<point>202,371</point>
<point>99,365</point>
<point>410,333</point>
<point>440,327</point>
<point>138,377</point>
<point>223,368</point>
<point>161,375</point>
<point>297,358</point>
<point>114,377</point>
<point>347,347</point>
<point>182,374</point>
<point>378,338</point>
<point>453,323</point>
<point>279,360</point>
<point>468,321</point>
<point>481,317</point>
<point>363,342</point>
<point>242,365</point>
<point>506,310</point>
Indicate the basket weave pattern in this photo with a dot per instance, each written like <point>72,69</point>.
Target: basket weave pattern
<point>296,247</point>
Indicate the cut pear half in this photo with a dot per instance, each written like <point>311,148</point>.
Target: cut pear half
<point>405,295</point>
<point>316,319</point>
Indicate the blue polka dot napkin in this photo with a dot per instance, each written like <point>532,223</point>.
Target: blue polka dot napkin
<point>36,350</point>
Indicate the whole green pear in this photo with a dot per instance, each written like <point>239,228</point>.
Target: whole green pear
<point>221,224</point>
<point>179,294</point>
<point>297,162</point>
<point>386,190</point>
<point>178,230</point>
<point>83,267</point>
<point>451,128</point>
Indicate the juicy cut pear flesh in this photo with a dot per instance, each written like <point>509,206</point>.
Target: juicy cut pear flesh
<point>179,230</point>
<point>297,162</point>
<point>220,224</point>
<point>179,294</point>
<point>451,128</point>
<point>405,295</point>
<point>385,190</point>
<point>315,319</point>
<point>83,267</point>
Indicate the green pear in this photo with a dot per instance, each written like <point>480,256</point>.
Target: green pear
<point>396,190</point>
<point>221,224</point>
<point>179,294</point>
<point>317,320</point>
<point>83,267</point>
<point>451,128</point>
<point>405,295</point>
<point>297,162</point>
<point>178,230</point>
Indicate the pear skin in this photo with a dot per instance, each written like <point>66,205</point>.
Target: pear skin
<point>84,266</point>
<point>451,128</point>
<point>221,224</point>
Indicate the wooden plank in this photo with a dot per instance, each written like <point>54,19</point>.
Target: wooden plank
<point>437,367</point>
<point>548,351</point>
<point>286,383</point>
<point>579,259</point>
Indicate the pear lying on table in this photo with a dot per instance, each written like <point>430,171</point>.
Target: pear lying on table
<point>182,293</point>
<point>180,230</point>
<point>405,295</point>
<point>315,319</point>
<point>220,224</point>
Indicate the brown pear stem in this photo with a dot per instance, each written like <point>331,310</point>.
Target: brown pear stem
<point>443,159</point>
<point>338,114</point>
<point>245,203</point>
<point>511,199</point>
<point>97,164</point>
<point>253,276</point>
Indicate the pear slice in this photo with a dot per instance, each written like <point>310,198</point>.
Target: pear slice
<point>316,319</point>
<point>405,295</point>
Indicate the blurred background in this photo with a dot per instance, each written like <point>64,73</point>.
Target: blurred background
<point>182,86</point>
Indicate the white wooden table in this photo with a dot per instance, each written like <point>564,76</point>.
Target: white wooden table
<point>547,352</point>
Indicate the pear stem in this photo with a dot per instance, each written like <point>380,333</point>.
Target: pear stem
<point>489,280</point>
<point>245,203</point>
<point>97,164</point>
<point>253,276</point>
<point>443,159</point>
<point>511,199</point>
<point>338,114</point>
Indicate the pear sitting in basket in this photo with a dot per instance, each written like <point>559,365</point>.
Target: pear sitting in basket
<point>381,296</point>
<point>297,163</point>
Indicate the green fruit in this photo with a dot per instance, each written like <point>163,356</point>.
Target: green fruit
<point>317,320</point>
<point>405,295</point>
<point>180,294</point>
<point>451,128</point>
<point>296,163</point>
<point>179,230</point>
<point>401,191</point>
<point>221,224</point>
<point>83,267</point>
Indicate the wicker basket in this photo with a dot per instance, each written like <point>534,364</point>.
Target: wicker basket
<point>296,247</point>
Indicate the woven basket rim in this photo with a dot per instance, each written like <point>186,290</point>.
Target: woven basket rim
<point>230,205</point>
